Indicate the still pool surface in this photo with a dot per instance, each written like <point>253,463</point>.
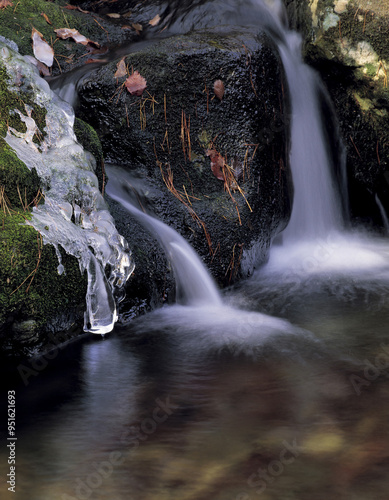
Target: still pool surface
<point>221,404</point>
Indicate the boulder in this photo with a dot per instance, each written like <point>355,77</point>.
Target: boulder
<point>209,134</point>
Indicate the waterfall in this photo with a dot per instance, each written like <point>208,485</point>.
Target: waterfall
<point>194,285</point>
<point>316,205</point>
<point>315,242</point>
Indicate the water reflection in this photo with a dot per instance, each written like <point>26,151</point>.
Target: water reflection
<point>168,408</point>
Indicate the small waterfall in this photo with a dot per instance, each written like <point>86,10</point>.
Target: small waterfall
<point>383,213</point>
<point>316,204</point>
<point>194,285</point>
<point>315,245</point>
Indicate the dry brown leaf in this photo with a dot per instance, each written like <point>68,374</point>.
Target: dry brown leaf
<point>43,69</point>
<point>65,33</point>
<point>46,18</point>
<point>113,15</point>
<point>42,50</point>
<point>121,68</point>
<point>5,3</point>
<point>93,50</point>
<point>218,88</point>
<point>217,163</point>
<point>137,27</point>
<point>76,7</point>
<point>155,20</point>
<point>135,84</point>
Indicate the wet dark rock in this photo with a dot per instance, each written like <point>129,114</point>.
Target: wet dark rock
<point>166,133</point>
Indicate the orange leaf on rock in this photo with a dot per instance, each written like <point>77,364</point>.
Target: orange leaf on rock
<point>42,50</point>
<point>135,84</point>
<point>217,163</point>
<point>5,3</point>
<point>218,88</point>
<point>137,27</point>
<point>75,7</point>
<point>121,69</point>
<point>65,33</point>
<point>155,20</point>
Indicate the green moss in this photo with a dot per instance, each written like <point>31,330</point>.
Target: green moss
<point>30,286</point>
<point>16,24</point>
<point>89,140</point>
<point>15,177</point>
<point>371,69</point>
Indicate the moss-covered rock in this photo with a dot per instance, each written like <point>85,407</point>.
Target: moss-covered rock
<point>17,21</point>
<point>32,293</point>
<point>89,140</point>
<point>31,290</point>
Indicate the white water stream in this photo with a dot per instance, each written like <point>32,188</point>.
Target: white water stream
<point>194,285</point>
<point>315,242</point>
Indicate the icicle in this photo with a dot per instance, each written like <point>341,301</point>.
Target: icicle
<point>74,215</point>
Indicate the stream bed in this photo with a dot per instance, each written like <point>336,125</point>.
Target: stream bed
<point>212,403</point>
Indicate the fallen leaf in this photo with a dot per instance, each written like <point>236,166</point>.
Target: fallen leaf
<point>113,15</point>
<point>137,27</point>
<point>5,3</point>
<point>155,20</point>
<point>42,50</point>
<point>121,68</point>
<point>126,27</point>
<point>43,69</point>
<point>46,18</point>
<point>94,50</point>
<point>218,88</point>
<point>135,84</point>
<point>65,33</point>
<point>217,163</point>
<point>76,7</point>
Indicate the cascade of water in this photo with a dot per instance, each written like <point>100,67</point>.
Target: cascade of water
<point>383,213</point>
<point>314,242</point>
<point>316,206</point>
<point>194,285</point>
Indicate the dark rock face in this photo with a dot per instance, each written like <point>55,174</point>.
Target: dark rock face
<point>179,128</point>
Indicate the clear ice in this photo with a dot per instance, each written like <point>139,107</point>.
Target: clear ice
<point>74,215</point>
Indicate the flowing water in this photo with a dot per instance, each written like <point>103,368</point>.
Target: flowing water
<point>278,390</point>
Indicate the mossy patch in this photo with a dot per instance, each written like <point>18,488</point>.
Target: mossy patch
<point>17,21</point>
<point>30,286</point>
<point>89,140</point>
<point>16,179</point>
